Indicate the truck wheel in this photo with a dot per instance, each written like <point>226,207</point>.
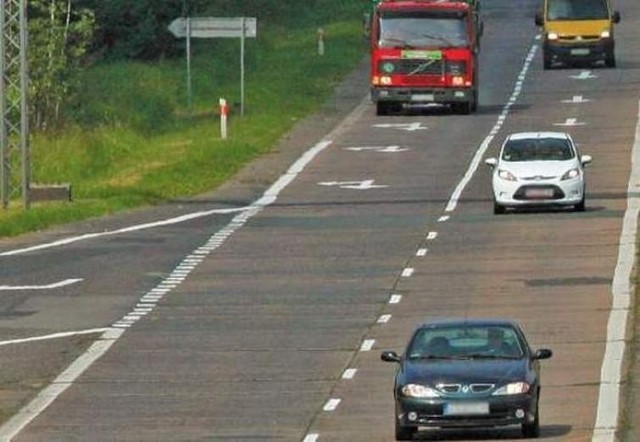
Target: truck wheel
<point>461,108</point>
<point>382,108</point>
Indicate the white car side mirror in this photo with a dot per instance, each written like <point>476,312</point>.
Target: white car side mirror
<point>491,162</point>
<point>585,159</point>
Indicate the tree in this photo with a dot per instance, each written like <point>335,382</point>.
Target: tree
<point>59,36</point>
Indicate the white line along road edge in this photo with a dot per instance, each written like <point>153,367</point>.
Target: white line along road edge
<point>611,372</point>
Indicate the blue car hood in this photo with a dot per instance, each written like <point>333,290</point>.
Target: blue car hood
<point>432,372</point>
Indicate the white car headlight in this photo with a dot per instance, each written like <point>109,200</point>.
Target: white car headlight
<point>571,174</point>
<point>506,175</point>
<point>513,388</point>
<point>420,391</point>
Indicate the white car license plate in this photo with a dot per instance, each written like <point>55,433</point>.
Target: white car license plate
<point>466,408</point>
<point>580,51</point>
<point>422,97</point>
<point>539,193</point>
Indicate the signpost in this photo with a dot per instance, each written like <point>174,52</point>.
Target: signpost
<point>215,27</point>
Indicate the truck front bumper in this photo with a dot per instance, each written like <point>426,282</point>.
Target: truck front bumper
<point>421,95</point>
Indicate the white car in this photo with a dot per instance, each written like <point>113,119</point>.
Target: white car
<point>538,169</point>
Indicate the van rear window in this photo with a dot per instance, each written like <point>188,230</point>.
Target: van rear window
<point>577,10</point>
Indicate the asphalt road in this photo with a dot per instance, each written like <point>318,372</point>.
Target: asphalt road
<point>265,321</point>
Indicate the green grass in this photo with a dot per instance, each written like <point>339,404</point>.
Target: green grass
<point>131,141</point>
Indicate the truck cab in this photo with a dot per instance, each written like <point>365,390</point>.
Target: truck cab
<point>424,52</point>
<point>578,31</point>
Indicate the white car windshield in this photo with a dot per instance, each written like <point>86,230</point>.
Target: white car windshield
<point>538,149</point>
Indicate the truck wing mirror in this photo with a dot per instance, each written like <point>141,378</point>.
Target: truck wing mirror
<point>616,17</point>
<point>539,19</point>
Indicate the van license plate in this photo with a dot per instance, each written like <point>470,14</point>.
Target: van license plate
<point>580,51</point>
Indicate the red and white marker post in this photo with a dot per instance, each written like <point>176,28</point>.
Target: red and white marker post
<point>224,111</point>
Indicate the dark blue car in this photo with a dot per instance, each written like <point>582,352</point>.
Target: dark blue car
<point>458,373</point>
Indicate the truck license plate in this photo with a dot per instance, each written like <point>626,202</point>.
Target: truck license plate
<point>422,97</point>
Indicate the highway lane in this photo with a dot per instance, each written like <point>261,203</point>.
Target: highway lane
<point>256,341</point>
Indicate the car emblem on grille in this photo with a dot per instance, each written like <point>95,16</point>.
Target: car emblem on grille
<point>465,389</point>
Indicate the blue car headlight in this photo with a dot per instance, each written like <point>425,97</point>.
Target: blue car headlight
<point>512,388</point>
<point>419,391</point>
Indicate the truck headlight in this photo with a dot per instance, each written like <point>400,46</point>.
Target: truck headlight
<point>552,36</point>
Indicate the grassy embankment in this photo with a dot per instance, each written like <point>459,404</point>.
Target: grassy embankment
<point>135,144</point>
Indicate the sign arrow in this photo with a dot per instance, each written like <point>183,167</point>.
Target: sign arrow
<point>55,285</point>
<point>410,127</point>
<point>584,75</point>
<point>576,99</point>
<point>357,185</point>
<point>382,149</point>
<point>570,122</point>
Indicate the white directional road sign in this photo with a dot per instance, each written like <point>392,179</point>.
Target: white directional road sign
<point>410,127</point>
<point>214,27</point>
<point>584,75</point>
<point>357,185</point>
<point>383,149</point>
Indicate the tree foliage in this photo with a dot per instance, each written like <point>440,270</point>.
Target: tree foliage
<point>59,35</point>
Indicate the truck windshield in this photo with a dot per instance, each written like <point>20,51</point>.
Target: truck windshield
<point>422,31</point>
<point>577,10</point>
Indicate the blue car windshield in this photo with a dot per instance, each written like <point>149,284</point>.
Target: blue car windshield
<point>456,342</point>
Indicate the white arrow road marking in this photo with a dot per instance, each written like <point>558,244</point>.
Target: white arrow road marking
<point>55,285</point>
<point>577,99</point>
<point>570,122</point>
<point>382,149</point>
<point>402,126</point>
<point>357,185</point>
<point>584,75</point>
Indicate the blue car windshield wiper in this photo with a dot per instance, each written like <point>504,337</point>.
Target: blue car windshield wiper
<point>436,357</point>
<point>488,356</point>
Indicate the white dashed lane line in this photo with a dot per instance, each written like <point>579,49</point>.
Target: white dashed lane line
<point>332,404</point>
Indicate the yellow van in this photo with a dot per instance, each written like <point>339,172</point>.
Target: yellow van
<point>577,31</point>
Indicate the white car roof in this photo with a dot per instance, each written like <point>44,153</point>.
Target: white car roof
<point>530,135</point>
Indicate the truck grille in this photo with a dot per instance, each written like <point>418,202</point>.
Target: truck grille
<point>412,66</point>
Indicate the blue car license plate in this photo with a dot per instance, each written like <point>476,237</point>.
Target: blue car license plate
<point>466,408</point>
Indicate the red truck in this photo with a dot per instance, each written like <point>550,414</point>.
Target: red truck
<point>423,52</point>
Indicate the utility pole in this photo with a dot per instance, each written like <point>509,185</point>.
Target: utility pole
<point>14,116</point>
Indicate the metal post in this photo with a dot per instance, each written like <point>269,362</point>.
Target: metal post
<point>14,117</point>
<point>24,108</point>
<point>189,92</point>
<point>242,34</point>
<point>4,136</point>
